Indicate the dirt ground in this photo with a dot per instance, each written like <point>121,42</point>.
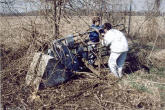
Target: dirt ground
<point>81,92</point>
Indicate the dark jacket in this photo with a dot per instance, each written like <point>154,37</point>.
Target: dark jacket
<point>94,36</point>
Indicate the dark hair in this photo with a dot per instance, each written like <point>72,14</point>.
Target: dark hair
<point>95,19</point>
<point>107,26</point>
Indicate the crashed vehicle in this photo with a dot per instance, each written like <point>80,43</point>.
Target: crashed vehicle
<point>65,57</point>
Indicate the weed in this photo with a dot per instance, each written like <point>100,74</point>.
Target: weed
<point>159,72</point>
<point>162,92</point>
<point>151,83</point>
<point>140,87</point>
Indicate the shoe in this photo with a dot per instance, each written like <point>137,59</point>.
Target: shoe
<point>120,75</point>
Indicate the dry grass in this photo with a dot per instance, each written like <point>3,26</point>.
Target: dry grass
<point>18,45</point>
<point>81,93</point>
<point>140,25</point>
<point>152,83</point>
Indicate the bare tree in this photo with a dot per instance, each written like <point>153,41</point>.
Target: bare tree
<point>152,22</point>
<point>156,7</point>
<point>56,11</point>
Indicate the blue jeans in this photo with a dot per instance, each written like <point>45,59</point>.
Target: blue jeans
<point>116,62</point>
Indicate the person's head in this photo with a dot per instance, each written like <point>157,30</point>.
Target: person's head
<point>96,21</point>
<point>107,26</point>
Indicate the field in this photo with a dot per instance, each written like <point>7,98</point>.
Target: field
<point>140,88</point>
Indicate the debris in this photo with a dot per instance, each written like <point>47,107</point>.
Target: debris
<point>33,97</point>
<point>37,69</point>
<point>54,68</point>
<point>33,65</point>
<point>63,59</point>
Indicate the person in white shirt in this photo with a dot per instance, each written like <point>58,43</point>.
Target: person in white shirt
<point>119,48</point>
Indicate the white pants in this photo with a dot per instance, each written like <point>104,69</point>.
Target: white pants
<point>116,63</point>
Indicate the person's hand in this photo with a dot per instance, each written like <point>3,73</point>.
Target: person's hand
<point>102,34</point>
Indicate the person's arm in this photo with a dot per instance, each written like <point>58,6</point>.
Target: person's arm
<point>101,30</point>
<point>108,38</point>
<point>103,41</point>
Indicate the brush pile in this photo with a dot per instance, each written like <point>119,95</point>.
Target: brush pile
<point>81,92</point>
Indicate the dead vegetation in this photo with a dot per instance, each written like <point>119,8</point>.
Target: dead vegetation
<point>82,91</point>
<point>138,89</point>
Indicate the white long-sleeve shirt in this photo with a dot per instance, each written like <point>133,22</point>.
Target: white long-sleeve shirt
<point>116,39</point>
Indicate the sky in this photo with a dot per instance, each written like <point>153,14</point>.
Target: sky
<point>140,5</point>
<point>19,6</point>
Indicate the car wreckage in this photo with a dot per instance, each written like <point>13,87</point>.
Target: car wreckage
<point>63,59</point>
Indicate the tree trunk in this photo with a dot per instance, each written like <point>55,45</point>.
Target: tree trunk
<point>55,19</point>
<point>57,16</point>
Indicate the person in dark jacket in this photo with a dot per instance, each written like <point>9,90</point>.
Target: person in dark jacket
<point>94,36</point>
